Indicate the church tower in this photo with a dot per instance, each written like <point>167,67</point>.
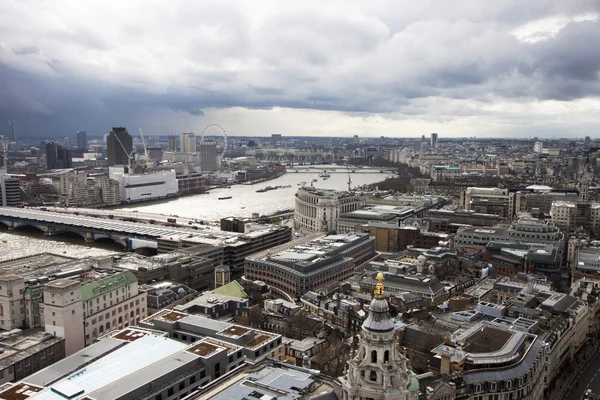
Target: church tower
<point>378,371</point>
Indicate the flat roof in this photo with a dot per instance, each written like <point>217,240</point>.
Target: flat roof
<point>487,340</point>
<point>101,378</point>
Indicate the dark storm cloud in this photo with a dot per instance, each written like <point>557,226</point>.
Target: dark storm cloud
<point>99,68</point>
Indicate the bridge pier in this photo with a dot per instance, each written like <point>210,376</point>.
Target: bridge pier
<point>46,231</point>
<point>89,237</point>
<point>11,225</point>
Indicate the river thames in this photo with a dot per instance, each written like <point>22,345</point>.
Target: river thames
<point>244,201</point>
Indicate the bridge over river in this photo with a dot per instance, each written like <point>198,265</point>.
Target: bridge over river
<point>131,235</point>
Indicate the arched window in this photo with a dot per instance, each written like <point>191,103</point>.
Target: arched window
<point>107,326</point>
<point>386,356</point>
<point>373,356</point>
<point>101,329</point>
<point>373,376</point>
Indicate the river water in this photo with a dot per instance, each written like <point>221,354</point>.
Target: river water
<point>244,201</point>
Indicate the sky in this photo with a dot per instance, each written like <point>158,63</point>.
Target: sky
<point>462,68</point>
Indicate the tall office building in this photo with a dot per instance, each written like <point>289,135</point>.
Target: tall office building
<point>119,145</point>
<point>12,130</point>
<point>81,140</point>
<point>50,155</point>
<point>208,155</point>
<point>172,143</point>
<point>187,142</point>
<point>434,140</point>
<point>10,192</point>
<point>64,157</point>
<point>58,156</point>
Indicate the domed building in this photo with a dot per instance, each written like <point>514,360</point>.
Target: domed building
<point>378,371</point>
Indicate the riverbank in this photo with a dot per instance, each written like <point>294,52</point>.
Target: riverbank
<point>263,179</point>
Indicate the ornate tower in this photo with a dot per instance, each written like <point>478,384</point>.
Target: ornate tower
<point>378,371</point>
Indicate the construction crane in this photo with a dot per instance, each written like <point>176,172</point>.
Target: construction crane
<point>144,144</point>
<point>129,156</point>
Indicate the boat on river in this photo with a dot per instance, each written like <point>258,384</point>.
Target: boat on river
<point>225,198</point>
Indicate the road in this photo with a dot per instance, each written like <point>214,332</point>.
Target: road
<point>588,377</point>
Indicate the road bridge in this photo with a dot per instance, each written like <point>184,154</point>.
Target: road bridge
<point>236,246</point>
<point>130,235</point>
<point>337,169</point>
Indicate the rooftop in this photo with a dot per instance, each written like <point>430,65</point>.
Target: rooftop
<point>91,372</point>
<point>17,345</point>
<point>204,349</point>
<point>278,381</point>
<point>487,340</point>
<point>101,286</point>
<point>235,331</point>
<point>233,289</point>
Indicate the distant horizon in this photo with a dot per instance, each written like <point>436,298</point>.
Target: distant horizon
<point>250,137</point>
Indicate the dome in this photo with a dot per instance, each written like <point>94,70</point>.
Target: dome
<point>379,319</point>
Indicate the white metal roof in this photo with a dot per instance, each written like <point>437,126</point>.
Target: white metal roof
<point>113,367</point>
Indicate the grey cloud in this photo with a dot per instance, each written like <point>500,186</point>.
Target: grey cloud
<point>381,59</point>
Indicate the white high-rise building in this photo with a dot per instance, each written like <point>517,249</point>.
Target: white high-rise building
<point>378,370</point>
<point>187,142</point>
<point>538,147</point>
<point>63,314</point>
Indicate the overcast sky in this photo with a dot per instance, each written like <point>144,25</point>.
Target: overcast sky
<point>505,68</point>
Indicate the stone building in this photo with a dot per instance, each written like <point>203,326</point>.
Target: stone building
<point>378,370</point>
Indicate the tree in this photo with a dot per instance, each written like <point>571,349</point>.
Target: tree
<point>300,325</point>
<point>256,317</point>
<point>332,359</point>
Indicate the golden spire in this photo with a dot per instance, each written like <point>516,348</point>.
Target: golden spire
<point>379,288</point>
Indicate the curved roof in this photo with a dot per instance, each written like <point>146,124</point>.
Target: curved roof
<point>414,384</point>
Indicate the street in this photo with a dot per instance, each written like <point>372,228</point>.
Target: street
<point>586,378</point>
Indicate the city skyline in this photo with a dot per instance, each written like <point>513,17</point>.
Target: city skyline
<point>335,69</point>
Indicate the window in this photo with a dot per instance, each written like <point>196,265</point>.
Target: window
<point>373,376</point>
<point>386,356</point>
<point>193,379</point>
<point>373,356</point>
<point>158,396</point>
<point>181,385</point>
<point>170,392</point>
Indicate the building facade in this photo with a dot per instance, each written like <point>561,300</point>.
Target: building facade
<point>314,263</point>
<point>378,370</point>
<point>119,145</point>
<point>111,303</point>
<point>187,142</point>
<point>318,210</point>
<point>140,187</point>
<point>12,305</point>
<point>208,156</point>
<point>82,140</point>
